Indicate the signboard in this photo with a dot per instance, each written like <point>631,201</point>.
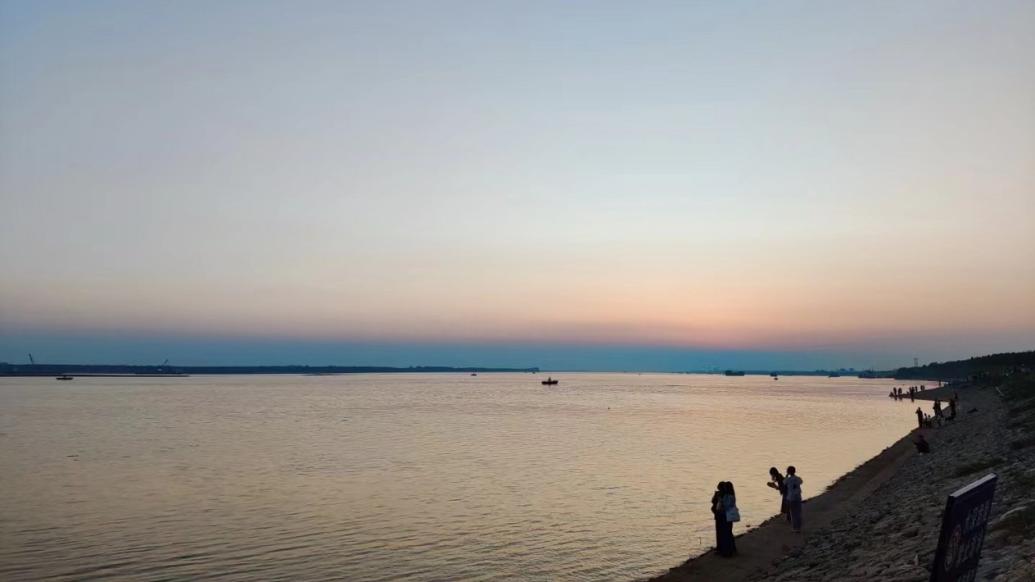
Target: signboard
<point>963,531</point>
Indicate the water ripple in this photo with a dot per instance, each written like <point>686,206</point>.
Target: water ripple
<point>431,478</point>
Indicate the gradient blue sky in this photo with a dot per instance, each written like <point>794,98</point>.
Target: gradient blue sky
<point>649,185</point>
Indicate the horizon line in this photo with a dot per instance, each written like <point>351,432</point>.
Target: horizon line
<point>432,367</point>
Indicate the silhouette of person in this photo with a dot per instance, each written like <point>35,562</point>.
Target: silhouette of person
<point>724,545</point>
<point>776,482</point>
<point>922,446</point>
<point>794,500</point>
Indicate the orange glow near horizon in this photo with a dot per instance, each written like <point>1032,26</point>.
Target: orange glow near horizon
<point>672,309</point>
<point>792,178</point>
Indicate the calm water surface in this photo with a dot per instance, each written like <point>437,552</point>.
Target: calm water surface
<point>416,477</point>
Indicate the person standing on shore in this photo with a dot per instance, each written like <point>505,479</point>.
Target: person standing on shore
<point>793,483</point>
<point>952,409</point>
<point>720,518</point>
<point>722,501</point>
<point>919,417</point>
<point>937,408</point>
<point>776,482</point>
<point>729,502</point>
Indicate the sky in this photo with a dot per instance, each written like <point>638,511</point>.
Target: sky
<point>574,185</point>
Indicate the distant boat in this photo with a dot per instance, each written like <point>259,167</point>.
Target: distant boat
<point>474,373</point>
<point>550,382</point>
<point>734,373</point>
<point>65,377</point>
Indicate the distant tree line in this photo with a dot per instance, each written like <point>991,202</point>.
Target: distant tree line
<point>981,366</point>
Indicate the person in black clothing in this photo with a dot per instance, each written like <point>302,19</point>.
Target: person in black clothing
<point>919,417</point>
<point>776,482</point>
<point>729,501</point>
<point>952,408</point>
<point>720,518</point>
<point>922,446</point>
<point>723,496</point>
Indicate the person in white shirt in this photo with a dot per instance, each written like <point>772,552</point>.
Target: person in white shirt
<point>793,496</point>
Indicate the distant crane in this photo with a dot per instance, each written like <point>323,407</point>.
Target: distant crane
<point>32,361</point>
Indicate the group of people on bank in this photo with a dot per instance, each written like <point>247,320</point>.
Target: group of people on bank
<point>726,512</point>
<point>899,394</point>
<point>940,415</point>
<point>724,500</point>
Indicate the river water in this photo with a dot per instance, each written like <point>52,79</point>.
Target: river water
<point>405,476</point>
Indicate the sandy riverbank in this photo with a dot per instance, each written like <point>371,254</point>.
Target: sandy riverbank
<point>881,521</point>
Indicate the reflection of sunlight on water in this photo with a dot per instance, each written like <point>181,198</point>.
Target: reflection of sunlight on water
<point>377,477</point>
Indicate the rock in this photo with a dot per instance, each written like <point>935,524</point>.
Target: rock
<point>995,539</point>
<point>1020,570</point>
<point>1015,513</point>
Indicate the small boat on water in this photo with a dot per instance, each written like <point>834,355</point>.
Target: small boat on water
<point>65,377</point>
<point>734,373</point>
<point>550,382</point>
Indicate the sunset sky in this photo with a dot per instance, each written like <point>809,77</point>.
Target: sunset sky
<point>604,185</point>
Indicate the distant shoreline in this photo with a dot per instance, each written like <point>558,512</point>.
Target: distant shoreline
<point>106,370</point>
<point>130,370</point>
